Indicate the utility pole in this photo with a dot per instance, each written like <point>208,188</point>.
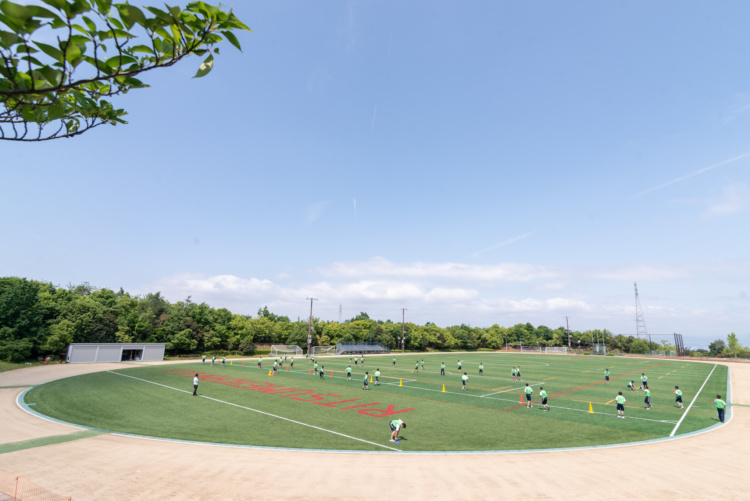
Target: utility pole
<point>567,329</point>
<point>403,330</point>
<point>309,324</point>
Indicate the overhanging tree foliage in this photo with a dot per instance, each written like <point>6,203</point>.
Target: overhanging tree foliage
<point>58,84</point>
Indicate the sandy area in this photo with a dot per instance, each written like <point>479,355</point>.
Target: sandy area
<point>109,467</point>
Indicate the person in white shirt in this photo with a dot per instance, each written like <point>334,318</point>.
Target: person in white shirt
<point>195,386</point>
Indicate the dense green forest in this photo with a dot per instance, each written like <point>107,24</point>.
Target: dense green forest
<point>40,319</point>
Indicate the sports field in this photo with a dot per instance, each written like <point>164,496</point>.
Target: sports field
<point>299,410</point>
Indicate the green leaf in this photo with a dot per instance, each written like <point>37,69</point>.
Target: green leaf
<point>51,51</point>
<point>79,39</point>
<point>104,6</point>
<point>16,11</point>
<point>8,38</point>
<point>90,24</point>
<point>145,49</point>
<point>38,11</point>
<point>205,67</point>
<point>163,16</point>
<point>232,39</point>
<point>131,15</point>
<point>72,53</point>
<point>58,4</point>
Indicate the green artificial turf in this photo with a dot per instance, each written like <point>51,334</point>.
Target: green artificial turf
<point>487,416</point>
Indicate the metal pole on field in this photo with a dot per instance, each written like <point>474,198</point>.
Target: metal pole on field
<point>309,325</point>
<point>567,329</point>
<point>403,330</point>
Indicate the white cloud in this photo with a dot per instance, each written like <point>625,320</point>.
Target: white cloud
<point>633,273</point>
<point>734,198</point>
<point>380,267</point>
<point>550,286</point>
<point>449,294</point>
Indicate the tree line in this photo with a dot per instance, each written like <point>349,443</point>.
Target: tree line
<point>40,319</point>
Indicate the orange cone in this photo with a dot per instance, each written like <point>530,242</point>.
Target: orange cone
<point>311,372</point>
<point>243,364</point>
<point>287,369</point>
<point>521,399</point>
<point>331,373</point>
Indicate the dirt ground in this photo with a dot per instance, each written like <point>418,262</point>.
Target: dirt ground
<point>111,467</point>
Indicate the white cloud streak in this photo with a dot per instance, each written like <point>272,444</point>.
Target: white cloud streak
<point>502,244</point>
<point>692,174</point>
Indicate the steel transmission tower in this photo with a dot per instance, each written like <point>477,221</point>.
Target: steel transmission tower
<point>640,322</point>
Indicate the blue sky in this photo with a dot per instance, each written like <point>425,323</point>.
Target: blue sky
<point>474,162</point>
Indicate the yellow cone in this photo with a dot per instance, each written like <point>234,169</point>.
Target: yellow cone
<point>270,372</point>
<point>230,362</point>
<point>400,382</point>
<point>443,388</point>
<point>371,379</point>
<point>591,409</point>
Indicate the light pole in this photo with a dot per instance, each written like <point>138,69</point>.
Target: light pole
<point>567,329</point>
<point>309,325</point>
<point>403,330</point>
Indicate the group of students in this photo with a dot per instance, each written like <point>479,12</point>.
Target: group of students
<point>213,360</point>
<point>515,374</point>
<point>720,404</point>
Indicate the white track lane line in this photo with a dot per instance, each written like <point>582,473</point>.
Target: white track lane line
<point>691,403</point>
<point>260,412</point>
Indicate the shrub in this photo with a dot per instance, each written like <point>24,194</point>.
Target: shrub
<point>247,347</point>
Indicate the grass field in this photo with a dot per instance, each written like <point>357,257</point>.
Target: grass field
<point>243,405</point>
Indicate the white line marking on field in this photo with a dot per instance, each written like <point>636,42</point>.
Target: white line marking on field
<point>259,412</point>
<point>508,391</point>
<point>691,403</point>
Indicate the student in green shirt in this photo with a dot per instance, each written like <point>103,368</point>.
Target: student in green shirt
<point>620,405</point>
<point>416,365</point>
<point>322,371</point>
<point>513,373</point>
<point>606,376</point>
<point>394,361</point>
<point>459,365</point>
<point>721,407</point>
<point>423,364</point>
<point>204,358</point>
<point>481,369</point>
<point>528,391</point>
<point>647,393</point>
<point>362,359</point>
<point>377,377</point>
<point>631,386</point>
<point>518,373</point>
<point>350,358</point>
<point>543,396</point>
<point>442,368</point>
<point>365,382</point>
<point>223,361</point>
<point>349,373</point>
<point>644,380</point>
<point>396,426</point>
<point>464,378</point>
<point>678,396</point>
<point>315,366</point>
